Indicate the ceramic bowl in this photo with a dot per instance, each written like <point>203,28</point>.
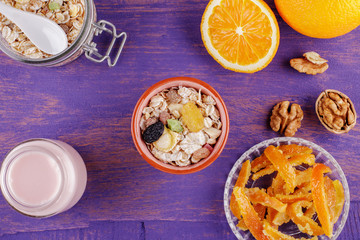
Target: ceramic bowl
<point>321,155</point>
<point>144,101</point>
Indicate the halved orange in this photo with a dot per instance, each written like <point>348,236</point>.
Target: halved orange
<point>241,35</point>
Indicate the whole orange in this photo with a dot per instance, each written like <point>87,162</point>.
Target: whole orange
<point>320,18</point>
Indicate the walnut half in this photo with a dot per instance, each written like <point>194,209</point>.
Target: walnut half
<point>312,63</point>
<point>286,119</point>
<point>335,111</point>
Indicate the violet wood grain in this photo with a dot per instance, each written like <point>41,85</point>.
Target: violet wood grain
<point>89,106</point>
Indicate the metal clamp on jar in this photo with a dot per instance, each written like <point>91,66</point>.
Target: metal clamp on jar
<point>83,42</point>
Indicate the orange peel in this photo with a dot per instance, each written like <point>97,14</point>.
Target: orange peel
<point>304,158</point>
<point>330,196</point>
<point>257,195</point>
<point>310,211</point>
<point>250,216</point>
<point>294,198</point>
<point>281,164</point>
<point>244,175</point>
<point>340,199</point>
<point>319,197</point>
<point>304,223</point>
<point>266,171</point>
<point>303,177</point>
<point>280,218</point>
<point>259,163</point>
<point>278,185</point>
<point>292,150</point>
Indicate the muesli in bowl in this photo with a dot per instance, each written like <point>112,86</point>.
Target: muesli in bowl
<point>180,125</point>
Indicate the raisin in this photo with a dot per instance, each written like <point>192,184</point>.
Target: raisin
<point>153,132</point>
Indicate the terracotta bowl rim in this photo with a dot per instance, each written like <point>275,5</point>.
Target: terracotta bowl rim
<point>143,101</point>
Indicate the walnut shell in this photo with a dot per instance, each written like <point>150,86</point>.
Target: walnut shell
<point>335,111</point>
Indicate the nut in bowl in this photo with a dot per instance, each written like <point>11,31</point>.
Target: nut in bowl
<point>302,194</point>
<point>180,125</point>
<point>335,111</point>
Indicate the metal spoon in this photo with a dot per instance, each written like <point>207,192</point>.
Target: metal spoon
<point>42,32</point>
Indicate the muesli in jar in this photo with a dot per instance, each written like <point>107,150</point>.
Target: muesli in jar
<point>68,14</point>
<point>181,125</point>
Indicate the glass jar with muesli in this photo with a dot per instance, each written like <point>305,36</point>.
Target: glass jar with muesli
<point>78,20</point>
<point>180,125</point>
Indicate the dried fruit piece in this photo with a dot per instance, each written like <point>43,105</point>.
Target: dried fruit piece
<point>310,211</point>
<point>257,195</point>
<point>304,223</point>
<point>283,167</point>
<point>335,111</point>
<point>260,209</point>
<point>241,181</point>
<point>303,177</point>
<point>299,159</point>
<point>241,224</point>
<point>330,196</point>
<point>286,119</point>
<point>340,199</point>
<point>274,234</point>
<point>153,132</point>
<point>303,188</point>
<point>164,116</point>
<point>174,125</point>
<point>319,197</point>
<point>280,218</point>
<point>278,185</point>
<point>192,117</point>
<point>251,218</point>
<point>293,150</point>
<point>294,198</point>
<point>259,163</point>
<point>167,141</point>
<point>266,171</point>
<point>244,174</point>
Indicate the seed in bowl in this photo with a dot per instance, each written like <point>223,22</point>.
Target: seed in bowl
<point>68,14</point>
<point>181,125</point>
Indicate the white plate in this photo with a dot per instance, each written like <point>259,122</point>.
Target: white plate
<point>322,156</point>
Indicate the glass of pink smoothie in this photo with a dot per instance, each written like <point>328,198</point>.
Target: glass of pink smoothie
<point>42,177</point>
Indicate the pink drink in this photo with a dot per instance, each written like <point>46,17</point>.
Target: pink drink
<point>42,177</point>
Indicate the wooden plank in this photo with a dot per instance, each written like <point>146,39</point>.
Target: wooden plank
<point>89,106</point>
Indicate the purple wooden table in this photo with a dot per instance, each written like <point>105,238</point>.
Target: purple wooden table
<point>89,106</point>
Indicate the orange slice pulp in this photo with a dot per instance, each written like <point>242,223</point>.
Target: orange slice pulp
<point>241,35</point>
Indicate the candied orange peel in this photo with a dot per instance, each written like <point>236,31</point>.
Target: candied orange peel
<point>304,223</point>
<point>293,150</point>
<point>281,164</point>
<point>257,195</point>
<point>298,191</point>
<point>240,182</point>
<point>319,197</point>
<point>340,199</point>
<point>251,218</point>
<point>330,196</point>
